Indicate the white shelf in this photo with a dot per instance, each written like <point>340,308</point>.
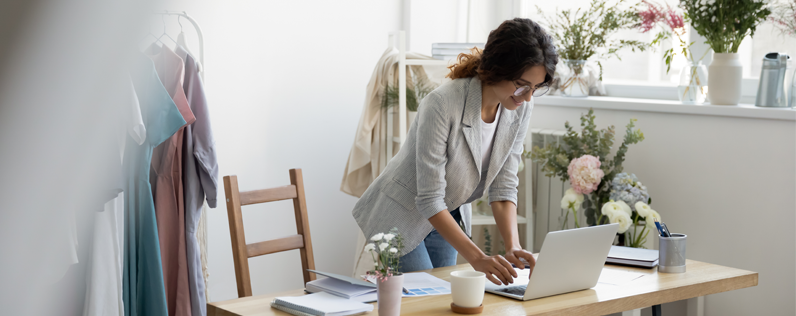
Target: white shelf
<point>428,62</point>
<point>667,106</point>
<point>489,220</point>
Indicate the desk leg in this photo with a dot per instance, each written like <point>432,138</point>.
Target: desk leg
<point>656,310</point>
<point>696,306</point>
<point>635,312</point>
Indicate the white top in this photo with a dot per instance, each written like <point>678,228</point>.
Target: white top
<point>487,135</point>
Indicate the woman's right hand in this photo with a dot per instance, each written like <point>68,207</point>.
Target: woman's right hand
<point>497,269</point>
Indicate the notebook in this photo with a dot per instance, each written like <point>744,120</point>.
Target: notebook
<point>321,304</point>
<point>343,289</point>
<point>637,257</point>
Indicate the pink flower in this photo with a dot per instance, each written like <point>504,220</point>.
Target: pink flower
<point>585,174</point>
<point>655,14</point>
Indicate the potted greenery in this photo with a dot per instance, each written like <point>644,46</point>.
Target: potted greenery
<point>724,24</point>
<point>585,34</point>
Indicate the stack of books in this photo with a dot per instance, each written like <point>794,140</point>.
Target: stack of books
<point>447,51</point>
<point>636,257</point>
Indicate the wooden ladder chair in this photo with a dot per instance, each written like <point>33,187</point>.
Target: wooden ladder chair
<point>241,251</point>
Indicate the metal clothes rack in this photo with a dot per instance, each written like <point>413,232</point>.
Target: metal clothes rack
<point>205,208</point>
<point>198,32</point>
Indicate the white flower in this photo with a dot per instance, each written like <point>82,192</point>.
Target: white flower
<point>652,216</point>
<point>383,246</point>
<point>370,247</point>
<point>393,250</point>
<point>375,264</point>
<point>377,237</point>
<point>571,197</point>
<point>388,237</point>
<point>622,219</point>
<point>610,209</point>
<point>626,208</point>
<point>643,209</point>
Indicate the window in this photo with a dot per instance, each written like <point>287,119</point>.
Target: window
<point>649,69</point>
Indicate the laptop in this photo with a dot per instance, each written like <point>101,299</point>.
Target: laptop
<point>569,261</point>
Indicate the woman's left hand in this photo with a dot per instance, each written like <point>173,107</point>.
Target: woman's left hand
<point>513,255</point>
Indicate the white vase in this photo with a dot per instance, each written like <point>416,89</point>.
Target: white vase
<point>724,79</point>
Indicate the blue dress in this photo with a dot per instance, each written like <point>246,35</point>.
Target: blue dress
<point>143,290</point>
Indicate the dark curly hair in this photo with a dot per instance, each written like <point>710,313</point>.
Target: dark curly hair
<point>510,50</point>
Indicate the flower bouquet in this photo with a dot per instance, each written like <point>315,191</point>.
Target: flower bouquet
<point>589,32</point>
<point>671,24</point>
<point>386,252</point>
<point>582,160</point>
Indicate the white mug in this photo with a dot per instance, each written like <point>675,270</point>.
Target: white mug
<point>467,288</point>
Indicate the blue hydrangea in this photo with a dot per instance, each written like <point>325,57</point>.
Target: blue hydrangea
<point>626,187</point>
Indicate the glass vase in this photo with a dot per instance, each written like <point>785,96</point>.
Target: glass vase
<point>693,87</point>
<point>575,79</point>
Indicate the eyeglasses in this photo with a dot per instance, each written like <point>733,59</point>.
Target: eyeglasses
<point>523,89</point>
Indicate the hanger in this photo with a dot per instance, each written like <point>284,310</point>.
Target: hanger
<point>163,18</point>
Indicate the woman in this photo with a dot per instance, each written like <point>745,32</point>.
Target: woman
<point>467,138</point>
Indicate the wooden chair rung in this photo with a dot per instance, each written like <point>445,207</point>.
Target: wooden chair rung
<point>287,192</point>
<point>275,245</point>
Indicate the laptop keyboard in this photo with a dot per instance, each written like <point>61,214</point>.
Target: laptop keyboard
<point>514,290</point>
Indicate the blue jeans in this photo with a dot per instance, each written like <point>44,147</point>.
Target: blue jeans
<point>433,252</point>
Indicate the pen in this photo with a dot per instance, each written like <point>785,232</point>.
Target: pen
<point>406,291</point>
<point>666,230</point>
<point>660,229</point>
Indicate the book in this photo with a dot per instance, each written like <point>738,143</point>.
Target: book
<point>320,304</point>
<point>342,289</point>
<point>637,257</point>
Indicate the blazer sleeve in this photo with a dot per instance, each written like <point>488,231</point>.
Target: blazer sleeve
<point>504,187</point>
<point>432,142</point>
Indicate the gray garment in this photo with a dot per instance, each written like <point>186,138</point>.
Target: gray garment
<point>200,177</point>
<point>439,166</point>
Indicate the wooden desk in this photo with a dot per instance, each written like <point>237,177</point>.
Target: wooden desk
<point>700,279</point>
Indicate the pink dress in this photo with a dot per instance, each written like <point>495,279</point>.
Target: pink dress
<point>167,187</point>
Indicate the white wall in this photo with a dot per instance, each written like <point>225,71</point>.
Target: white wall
<point>728,183</point>
<point>285,82</point>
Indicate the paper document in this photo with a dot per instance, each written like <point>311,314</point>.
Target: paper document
<point>323,303</point>
<point>422,284</point>
<point>618,277</point>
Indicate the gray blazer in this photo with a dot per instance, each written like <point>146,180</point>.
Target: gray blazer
<point>439,166</point>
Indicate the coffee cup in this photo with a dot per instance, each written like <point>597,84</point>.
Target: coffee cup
<point>467,288</point>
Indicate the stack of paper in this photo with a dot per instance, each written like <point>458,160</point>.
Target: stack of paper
<point>637,257</point>
<point>320,304</point>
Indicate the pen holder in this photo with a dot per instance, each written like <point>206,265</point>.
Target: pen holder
<point>671,254</point>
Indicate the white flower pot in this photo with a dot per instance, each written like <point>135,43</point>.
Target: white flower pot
<point>724,79</point>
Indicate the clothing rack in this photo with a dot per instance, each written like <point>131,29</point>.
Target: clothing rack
<point>198,33</point>
<point>202,229</point>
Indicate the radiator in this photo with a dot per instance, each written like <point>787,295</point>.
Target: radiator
<point>547,192</point>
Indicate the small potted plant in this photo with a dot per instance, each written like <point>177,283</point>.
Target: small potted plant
<point>585,33</point>
<point>724,24</point>
<point>386,252</point>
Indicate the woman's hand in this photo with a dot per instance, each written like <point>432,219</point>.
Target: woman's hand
<point>514,256</point>
<point>497,269</point>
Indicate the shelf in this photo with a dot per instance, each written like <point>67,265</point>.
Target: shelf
<point>489,220</point>
<point>427,62</point>
<point>667,106</point>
